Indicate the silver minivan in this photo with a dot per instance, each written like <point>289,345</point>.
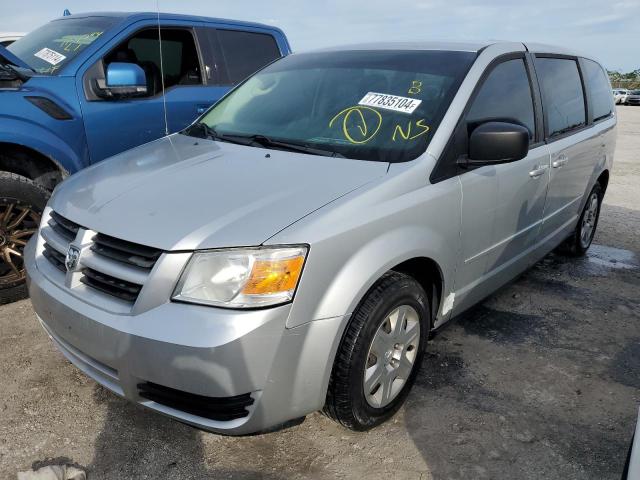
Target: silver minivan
<point>292,250</point>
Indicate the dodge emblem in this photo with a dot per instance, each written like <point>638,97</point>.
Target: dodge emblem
<point>71,260</point>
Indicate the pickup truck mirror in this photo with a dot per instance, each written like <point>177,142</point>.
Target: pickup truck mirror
<point>123,80</point>
<point>497,142</point>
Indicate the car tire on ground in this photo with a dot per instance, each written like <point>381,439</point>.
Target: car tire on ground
<point>580,241</point>
<point>21,204</point>
<point>380,353</point>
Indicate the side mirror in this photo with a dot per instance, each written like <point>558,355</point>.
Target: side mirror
<point>124,80</point>
<point>497,142</point>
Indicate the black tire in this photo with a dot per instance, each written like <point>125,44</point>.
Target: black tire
<point>576,245</point>
<point>22,193</point>
<point>346,402</point>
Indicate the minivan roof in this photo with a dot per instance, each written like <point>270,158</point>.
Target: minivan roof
<point>453,46</point>
<point>135,16</point>
<point>459,46</point>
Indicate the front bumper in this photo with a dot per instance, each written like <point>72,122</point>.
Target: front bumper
<point>195,349</point>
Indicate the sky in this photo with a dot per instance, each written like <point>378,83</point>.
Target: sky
<point>608,30</point>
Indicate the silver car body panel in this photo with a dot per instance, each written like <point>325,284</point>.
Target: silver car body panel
<point>360,219</point>
<point>215,207</point>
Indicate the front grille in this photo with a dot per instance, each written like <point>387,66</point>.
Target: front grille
<point>64,227</point>
<point>214,408</point>
<point>116,287</point>
<point>55,257</point>
<point>125,252</point>
<point>111,266</point>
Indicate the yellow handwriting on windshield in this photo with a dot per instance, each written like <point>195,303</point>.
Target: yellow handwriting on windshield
<point>406,134</point>
<point>73,43</point>
<point>415,88</point>
<point>366,120</point>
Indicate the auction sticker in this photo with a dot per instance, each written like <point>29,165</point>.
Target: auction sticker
<point>50,56</point>
<point>390,102</point>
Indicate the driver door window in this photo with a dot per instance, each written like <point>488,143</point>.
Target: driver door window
<point>180,63</point>
<point>506,96</point>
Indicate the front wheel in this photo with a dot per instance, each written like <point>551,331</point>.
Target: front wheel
<point>21,204</point>
<point>578,243</point>
<point>380,353</point>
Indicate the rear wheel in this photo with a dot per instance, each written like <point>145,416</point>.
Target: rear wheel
<point>578,243</point>
<point>380,353</point>
<point>21,204</point>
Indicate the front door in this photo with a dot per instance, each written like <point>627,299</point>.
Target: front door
<point>115,125</point>
<point>502,205</point>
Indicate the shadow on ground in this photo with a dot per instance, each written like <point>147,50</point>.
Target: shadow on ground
<point>538,381</point>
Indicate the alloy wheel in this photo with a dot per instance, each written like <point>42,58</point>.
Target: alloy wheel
<point>17,223</point>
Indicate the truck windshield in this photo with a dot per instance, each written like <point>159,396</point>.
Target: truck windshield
<point>50,47</point>
<point>381,105</point>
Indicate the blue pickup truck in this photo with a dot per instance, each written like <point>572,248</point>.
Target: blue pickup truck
<point>85,87</point>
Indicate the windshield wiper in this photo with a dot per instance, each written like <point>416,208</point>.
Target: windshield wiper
<point>267,142</point>
<point>203,130</point>
<point>15,71</point>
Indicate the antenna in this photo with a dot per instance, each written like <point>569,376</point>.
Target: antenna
<point>164,99</point>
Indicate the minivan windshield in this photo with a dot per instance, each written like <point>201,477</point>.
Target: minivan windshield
<point>47,49</point>
<point>381,105</point>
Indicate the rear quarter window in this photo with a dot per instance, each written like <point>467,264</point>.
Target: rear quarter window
<point>562,94</point>
<point>246,52</point>
<point>598,90</point>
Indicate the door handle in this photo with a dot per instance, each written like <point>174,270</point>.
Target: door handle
<point>562,160</point>
<point>538,170</point>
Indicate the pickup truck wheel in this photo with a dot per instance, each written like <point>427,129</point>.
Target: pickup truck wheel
<point>578,243</point>
<point>380,353</point>
<point>21,204</point>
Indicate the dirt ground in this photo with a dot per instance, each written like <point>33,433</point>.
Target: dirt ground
<point>541,381</point>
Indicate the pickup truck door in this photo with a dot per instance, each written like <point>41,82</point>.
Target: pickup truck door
<point>115,125</point>
<point>502,205</point>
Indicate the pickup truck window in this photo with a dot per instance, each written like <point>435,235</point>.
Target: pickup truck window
<point>180,61</point>
<point>50,47</point>
<point>562,94</point>
<point>367,105</point>
<point>506,96</point>
<point>245,52</point>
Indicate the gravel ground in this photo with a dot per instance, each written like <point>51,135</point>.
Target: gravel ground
<point>539,381</point>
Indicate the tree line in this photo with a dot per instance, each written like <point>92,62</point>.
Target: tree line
<point>625,80</point>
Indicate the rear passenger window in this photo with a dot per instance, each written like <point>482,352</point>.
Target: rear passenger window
<point>506,96</point>
<point>245,53</point>
<point>598,88</point>
<point>562,94</point>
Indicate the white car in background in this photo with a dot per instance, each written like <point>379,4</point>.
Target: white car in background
<point>620,95</point>
<point>7,38</point>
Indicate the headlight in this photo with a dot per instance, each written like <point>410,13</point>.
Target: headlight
<point>242,277</point>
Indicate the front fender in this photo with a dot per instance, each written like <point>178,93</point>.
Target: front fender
<point>376,257</point>
<point>33,136</point>
<point>354,242</point>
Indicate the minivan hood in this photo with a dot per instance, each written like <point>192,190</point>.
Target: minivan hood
<point>7,57</point>
<point>186,193</point>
